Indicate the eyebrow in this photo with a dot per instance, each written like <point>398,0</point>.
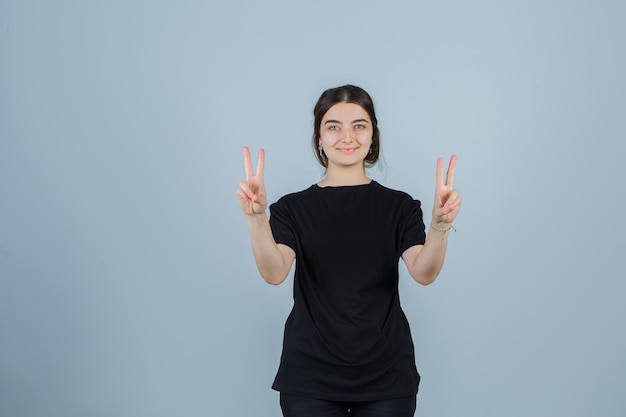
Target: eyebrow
<point>354,121</point>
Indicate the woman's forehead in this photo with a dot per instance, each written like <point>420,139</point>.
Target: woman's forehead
<point>346,111</point>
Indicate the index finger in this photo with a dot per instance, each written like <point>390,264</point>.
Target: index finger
<point>450,174</point>
<point>439,174</point>
<point>260,167</point>
<point>247,162</point>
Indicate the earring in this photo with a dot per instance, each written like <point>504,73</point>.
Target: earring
<point>320,149</point>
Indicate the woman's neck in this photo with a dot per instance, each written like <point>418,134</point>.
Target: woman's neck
<point>338,177</point>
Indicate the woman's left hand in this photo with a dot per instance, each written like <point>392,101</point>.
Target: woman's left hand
<point>447,199</point>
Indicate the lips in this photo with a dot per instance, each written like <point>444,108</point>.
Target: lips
<point>347,150</point>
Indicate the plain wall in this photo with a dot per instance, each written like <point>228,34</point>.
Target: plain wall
<point>127,283</point>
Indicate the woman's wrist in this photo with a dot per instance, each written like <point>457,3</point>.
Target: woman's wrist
<point>257,218</point>
<point>442,228</point>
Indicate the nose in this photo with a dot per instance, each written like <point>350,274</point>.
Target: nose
<point>346,135</point>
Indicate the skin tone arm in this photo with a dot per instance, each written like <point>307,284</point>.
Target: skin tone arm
<point>424,262</point>
<point>273,260</point>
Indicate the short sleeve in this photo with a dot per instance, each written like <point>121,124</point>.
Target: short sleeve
<point>282,224</point>
<point>413,231</point>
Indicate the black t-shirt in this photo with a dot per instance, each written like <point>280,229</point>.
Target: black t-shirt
<point>346,338</point>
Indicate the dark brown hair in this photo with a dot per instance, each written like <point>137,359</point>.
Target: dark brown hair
<point>345,94</point>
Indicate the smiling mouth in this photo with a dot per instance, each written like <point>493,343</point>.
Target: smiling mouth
<point>347,150</point>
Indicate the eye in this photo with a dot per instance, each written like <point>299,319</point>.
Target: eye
<point>359,126</point>
<point>333,127</point>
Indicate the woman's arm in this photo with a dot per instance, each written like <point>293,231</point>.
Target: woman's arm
<point>272,260</point>
<point>424,262</point>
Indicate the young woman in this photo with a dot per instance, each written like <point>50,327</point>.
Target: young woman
<point>347,347</point>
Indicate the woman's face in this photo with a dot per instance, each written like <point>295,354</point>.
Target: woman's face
<point>346,135</point>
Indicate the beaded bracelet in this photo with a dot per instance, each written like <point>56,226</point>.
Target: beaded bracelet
<point>443,231</point>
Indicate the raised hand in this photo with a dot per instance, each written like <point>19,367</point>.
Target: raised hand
<point>251,192</point>
<point>447,199</point>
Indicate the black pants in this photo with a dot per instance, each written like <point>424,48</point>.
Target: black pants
<point>294,406</point>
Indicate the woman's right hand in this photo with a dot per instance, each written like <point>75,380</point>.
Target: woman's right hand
<point>251,193</point>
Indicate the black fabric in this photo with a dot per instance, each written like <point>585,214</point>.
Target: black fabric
<point>294,406</point>
<point>347,338</point>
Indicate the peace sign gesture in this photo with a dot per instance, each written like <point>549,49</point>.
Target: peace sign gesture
<point>447,199</point>
<point>251,192</point>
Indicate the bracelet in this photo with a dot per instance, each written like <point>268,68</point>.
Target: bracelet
<point>443,231</point>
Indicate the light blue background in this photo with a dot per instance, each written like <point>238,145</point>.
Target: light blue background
<point>127,284</point>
